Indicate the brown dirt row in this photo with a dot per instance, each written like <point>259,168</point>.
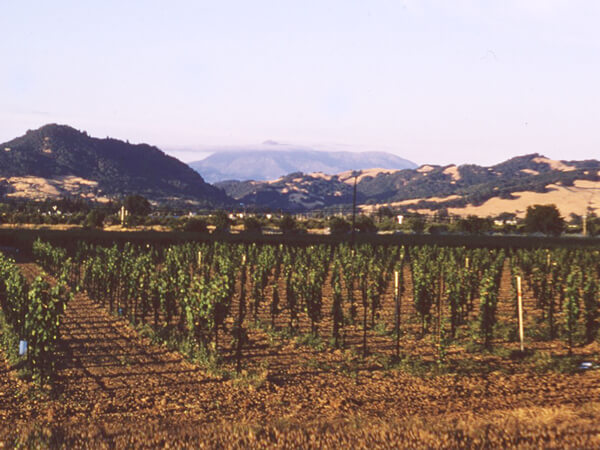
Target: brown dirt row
<point>117,388</point>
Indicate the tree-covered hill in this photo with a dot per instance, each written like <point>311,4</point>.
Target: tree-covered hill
<point>451,186</point>
<point>115,167</point>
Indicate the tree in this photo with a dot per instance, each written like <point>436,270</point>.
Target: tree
<point>252,225</point>
<point>384,212</point>
<point>415,223</point>
<point>337,225</point>
<point>221,222</point>
<point>593,225</point>
<point>575,219</point>
<point>94,219</point>
<point>137,205</point>
<point>365,224</point>
<point>437,228</point>
<point>287,224</point>
<point>441,215</point>
<point>474,225</point>
<point>544,219</point>
<point>195,225</point>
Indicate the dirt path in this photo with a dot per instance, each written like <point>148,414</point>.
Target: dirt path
<point>108,369</point>
<point>13,404</point>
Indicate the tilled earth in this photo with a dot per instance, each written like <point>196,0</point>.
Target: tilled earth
<point>116,388</point>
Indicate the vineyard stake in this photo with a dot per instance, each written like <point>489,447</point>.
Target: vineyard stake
<point>123,214</point>
<point>397,301</point>
<point>439,305</point>
<point>520,303</point>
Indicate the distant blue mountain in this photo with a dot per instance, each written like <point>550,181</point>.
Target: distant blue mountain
<point>271,161</point>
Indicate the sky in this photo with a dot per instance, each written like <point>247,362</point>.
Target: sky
<point>433,81</point>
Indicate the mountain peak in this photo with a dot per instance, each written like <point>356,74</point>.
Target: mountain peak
<point>56,129</point>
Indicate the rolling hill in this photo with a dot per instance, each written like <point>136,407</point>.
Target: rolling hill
<point>58,160</point>
<point>460,189</point>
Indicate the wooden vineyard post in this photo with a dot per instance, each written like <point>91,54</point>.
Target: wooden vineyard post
<point>520,305</point>
<point>123,214</point>
<point>199,258</point>
<point>397,315</point>
<point>439,305</point>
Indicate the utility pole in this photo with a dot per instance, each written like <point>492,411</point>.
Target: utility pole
<point>355,175</point>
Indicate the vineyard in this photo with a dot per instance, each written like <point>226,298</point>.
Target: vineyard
<point>31,312</point>
<point>265,316</point>
<point>206,297</point>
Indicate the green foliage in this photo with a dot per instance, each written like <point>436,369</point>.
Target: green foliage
<point>95,218</point>
<point>590,301</point>
<point>337,312</point>
<point>311,340</point>
<point>287,224</point>
<point>415,224</point>
<point>423,266</point>
<point>544,219</point>
<point>338,225</point>
<point>137,205</point>
<point>364,224</point>
<point>489,300</point>
<point>252,225</point>
<point>437,228</point>
<point>33,313</point>
<point>220,221</point>
<point>593,225</point>
<point>544,362</point>
<point>190,288</point>
<point>42,326</point>
<point>571,304</point>
<point>195,225</point>
<point>475,225</point>
<point>275,305</point>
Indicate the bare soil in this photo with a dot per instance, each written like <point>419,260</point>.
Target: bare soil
<point>117,388</point>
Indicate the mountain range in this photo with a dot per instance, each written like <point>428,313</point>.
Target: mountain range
<point>272,160</point>
<point>58,161</point>
<point>509,186</point>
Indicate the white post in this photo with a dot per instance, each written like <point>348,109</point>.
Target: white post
<point>520,304</point>
<point>123,215</point>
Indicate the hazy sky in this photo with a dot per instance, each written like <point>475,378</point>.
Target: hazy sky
<point>433,81</point>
